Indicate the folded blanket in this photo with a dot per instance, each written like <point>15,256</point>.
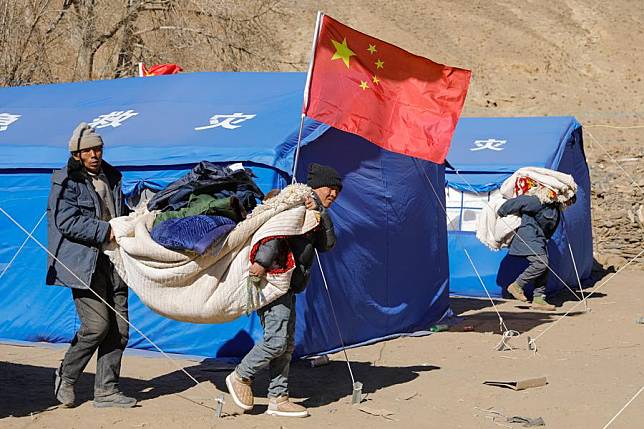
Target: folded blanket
<point>194,233</point>
<point>213,287</point>
<point>494,231</point>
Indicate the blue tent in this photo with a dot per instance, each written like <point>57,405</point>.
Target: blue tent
<point>485,152</point>
<point>155,129</point>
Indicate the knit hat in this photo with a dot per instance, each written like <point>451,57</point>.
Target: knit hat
<point>84,137</point>
<point>322,175</point>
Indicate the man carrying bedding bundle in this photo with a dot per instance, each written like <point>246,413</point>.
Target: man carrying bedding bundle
<point>539,220</point>
<point>84,196</point>
<point>278,318</point>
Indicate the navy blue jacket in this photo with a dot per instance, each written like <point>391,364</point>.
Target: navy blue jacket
<point>538,222</point>
<point>75,230</point>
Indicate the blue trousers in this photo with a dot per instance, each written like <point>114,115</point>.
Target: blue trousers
<point>275,350</point>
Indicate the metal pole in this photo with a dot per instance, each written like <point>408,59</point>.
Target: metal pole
<point>318,22</point>
<point>305,102</point>
<point>297,150</point>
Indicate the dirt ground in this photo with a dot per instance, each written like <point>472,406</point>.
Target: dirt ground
<point>592,360</point>
<point>570,57</point>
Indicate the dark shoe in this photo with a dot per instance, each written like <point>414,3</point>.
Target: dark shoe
<point>540,303</point>
<point>241,391</point>
<point>517,292</point>
<point>117,399</point>
<point>63,391</point>
<point>283,407</point>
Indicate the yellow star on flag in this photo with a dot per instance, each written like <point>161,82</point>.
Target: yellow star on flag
<point>375,79</point>
<point>363,84</point>
<point>379,64</point>
<point>342,51</point>
<point>372,49</point>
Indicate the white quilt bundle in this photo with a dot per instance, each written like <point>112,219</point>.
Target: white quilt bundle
<point>562,184</point>
<point>497,232</point>
<point>211,288</point>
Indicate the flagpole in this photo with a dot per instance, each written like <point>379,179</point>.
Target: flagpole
<point>318,22</point>
<point>357,386</point>
<point>305,102</point>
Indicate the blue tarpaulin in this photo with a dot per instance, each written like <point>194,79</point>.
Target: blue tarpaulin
<point>485,152</point>
<point>167,120</point>
<point>155,129</point>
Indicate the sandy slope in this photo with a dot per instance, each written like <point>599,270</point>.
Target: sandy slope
<point>529,57</point>
<point>593,362</point>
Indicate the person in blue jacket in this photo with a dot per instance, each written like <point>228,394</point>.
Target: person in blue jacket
<point>84,196</point>
<point>275,350</point>
<point>539,220</point>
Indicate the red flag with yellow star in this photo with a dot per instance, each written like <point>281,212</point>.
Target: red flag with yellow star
<point>397,100</point>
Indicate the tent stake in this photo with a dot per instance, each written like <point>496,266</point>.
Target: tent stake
<point>356,398</point>
<point>220,405</point>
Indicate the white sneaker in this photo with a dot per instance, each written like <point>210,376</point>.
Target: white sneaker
<point>283,407</point>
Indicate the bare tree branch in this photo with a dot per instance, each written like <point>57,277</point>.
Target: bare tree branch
<point>54,24</point>
<point>23,48</point>
<point>128,16</point>
<point>262,12</point>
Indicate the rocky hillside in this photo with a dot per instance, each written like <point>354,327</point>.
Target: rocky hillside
<point>565,57</point>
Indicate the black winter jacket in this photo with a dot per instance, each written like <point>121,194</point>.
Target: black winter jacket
<point>538,222</point>
<point>303,247</point>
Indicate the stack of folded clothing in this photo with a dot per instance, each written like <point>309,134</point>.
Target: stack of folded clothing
<point>211,179</point>
<point>202,207</point>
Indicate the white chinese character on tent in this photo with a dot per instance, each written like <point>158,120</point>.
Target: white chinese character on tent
<point>7,119</point>
<point>114,119</point>
<point>226,121</point>
<point>491,144</point>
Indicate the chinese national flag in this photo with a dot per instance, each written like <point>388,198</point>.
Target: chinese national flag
<point>161,69</point>
<point>397,100</point>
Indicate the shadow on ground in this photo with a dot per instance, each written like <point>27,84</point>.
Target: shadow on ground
<point>28,389</point>
<point>484,318</point>
<point>331,383</point>
<point>524,318</point>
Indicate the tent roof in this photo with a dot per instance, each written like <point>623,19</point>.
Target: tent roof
<point>486,151</point>
<point>168,109</point>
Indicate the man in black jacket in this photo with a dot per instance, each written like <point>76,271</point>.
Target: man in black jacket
<point>539,221</point>
<point>84,196</point>
<point>278,318</point>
